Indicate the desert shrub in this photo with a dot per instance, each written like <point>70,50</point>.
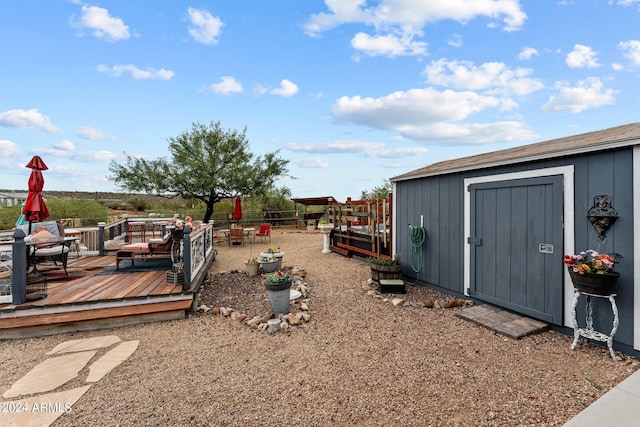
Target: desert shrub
<point>139,203</point>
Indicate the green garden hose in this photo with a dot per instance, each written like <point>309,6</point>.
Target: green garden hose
<point>417,236</point>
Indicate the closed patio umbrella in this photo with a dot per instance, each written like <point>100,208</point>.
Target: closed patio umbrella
<point>237,211</point>
<point>35,209</point>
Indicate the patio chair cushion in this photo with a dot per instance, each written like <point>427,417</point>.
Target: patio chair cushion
<point>43,235</point>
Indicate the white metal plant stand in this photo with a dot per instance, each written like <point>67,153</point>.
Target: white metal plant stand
<point>588,331</point>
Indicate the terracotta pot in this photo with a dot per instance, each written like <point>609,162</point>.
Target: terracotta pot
<point>596,284</point>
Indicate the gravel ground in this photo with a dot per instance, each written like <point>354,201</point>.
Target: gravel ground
<point>359,360</point>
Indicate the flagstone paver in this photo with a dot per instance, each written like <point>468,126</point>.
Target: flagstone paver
<point>42,410</point>
<point>50,374</point>
<point>113,358</point>
<point>503,322</point>
<point>85,344</point>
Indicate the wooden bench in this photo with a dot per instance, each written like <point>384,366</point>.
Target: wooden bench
<point>154,248</point>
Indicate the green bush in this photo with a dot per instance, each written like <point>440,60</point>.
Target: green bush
<point>139,203</point>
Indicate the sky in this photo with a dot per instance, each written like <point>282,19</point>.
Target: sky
<point>351,92</point>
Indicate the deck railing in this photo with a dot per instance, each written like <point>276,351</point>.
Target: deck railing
<point>196,246</point>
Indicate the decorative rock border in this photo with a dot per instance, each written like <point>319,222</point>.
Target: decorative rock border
<point>369,289</point>
<point>261,322</point>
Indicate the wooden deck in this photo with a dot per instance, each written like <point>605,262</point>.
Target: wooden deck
<point>93,299</point>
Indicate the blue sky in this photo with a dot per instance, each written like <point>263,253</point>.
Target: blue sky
<point>352,92</point>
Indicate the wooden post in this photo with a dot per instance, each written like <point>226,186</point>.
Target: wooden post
<point>19,272</point>
<point>186,258</point>
<point>101,238</point>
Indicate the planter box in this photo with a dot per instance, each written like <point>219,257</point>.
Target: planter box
<point>174,278</point>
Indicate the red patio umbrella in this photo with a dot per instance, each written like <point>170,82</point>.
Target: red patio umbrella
<point>35,209</point>
<point>237,211</point>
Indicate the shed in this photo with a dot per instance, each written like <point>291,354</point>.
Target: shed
<point>498,225</point>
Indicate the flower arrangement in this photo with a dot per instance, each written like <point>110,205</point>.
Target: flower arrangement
<point>272,249</point>
<point>180,224</point>
<point>252,260</point>
<point>278,278</point>
<point>590,261</point>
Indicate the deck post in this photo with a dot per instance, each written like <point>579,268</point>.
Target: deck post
<point>186,257</point>
<point>101,237</point>
<point>19,273</point>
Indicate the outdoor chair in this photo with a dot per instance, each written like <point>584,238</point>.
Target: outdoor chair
<point>47,243</point>
<point>264,231</point>
<point>236,234</point>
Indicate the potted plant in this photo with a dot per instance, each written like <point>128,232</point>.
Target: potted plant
<point>177,233</point>
<point>278,287</point>
<point>592,272</point>
<point>269,263</point>
<point>275,252</point>
<point>385,268</point>
<point>252,266</point>
<point>325,226</point>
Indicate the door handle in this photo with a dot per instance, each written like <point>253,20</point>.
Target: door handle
<point>476,241</point>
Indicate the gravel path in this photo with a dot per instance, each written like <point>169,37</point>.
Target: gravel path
<point>360,360</point>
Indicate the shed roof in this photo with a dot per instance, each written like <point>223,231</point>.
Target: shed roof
<point>315,201</point>
<point>615,137</point>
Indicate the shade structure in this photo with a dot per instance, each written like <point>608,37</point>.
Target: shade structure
<point>35,209</point>
<point>237,211</point>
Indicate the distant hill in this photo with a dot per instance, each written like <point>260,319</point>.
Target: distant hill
<point>102,196</point>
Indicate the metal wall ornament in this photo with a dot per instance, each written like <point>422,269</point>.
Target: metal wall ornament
<point>602,215</point>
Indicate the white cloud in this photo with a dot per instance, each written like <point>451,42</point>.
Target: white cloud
<point>312,163</point>
<point>286,89</point>
<point>490,77</point>
<point>397,153</point>
<point>401,110</point>
<point>27,119</point>
<point>411,15</point>
<point>581,57</point>
<point>367,149</point>
<point>103,25</point>
<point>426,114</point>
<point>387,45</point>
<point>631,50</point>
<point>66,149</point>
<point>455,40</point>
<point>64,145</point>
<point>136,73</point>
<point>226,86</point>
<point>587,94</point>
<point>8,148</point>
<point>204,28</point>
<point>527,53</point>
<point>335,147</point>
<point>474,133</point>
<point>628,2</point>
<point>93,134</point>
